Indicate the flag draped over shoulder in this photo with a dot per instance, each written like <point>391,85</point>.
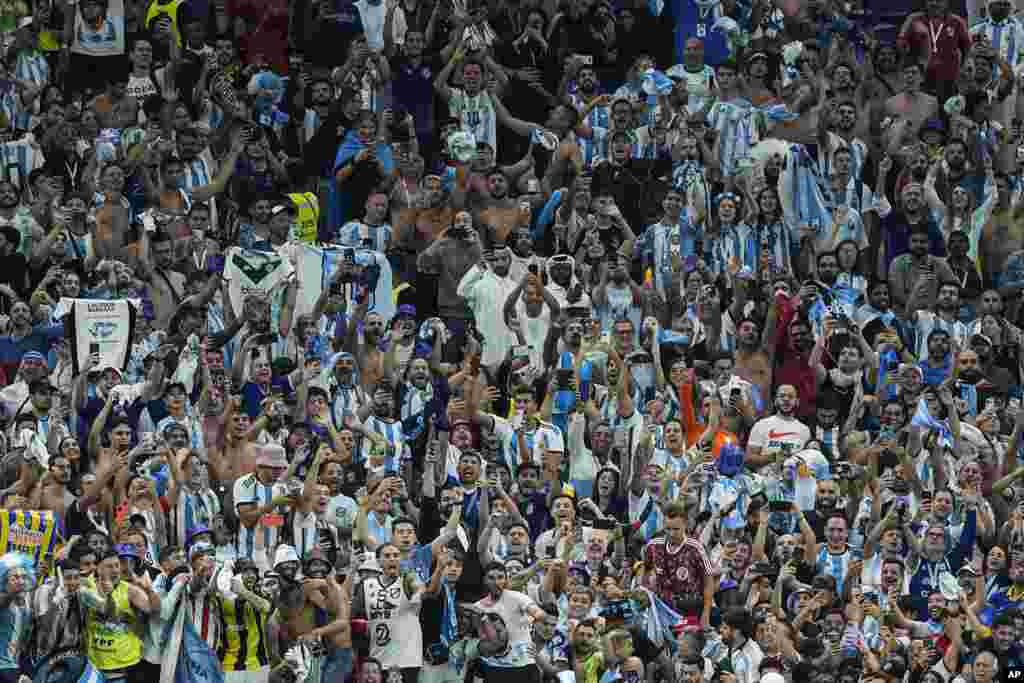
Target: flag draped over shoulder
<point>32,532</point>
<point>660,622</point>
<point>352,146</point>
<point>187,657</point>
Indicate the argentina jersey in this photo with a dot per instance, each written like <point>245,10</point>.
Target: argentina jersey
<point>254,543</point>
<point>836,565</point>
<point>392,433</point>
<point>593,149</point>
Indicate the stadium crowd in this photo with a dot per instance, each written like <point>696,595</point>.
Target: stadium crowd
<point>522,341</point>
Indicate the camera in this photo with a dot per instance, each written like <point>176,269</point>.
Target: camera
<point>458,232</point>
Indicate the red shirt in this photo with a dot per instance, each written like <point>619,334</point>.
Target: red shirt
<point>944,41</point>
<point>678,574</point>
<point>266,31</point>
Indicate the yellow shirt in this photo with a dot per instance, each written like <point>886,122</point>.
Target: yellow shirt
<point>158,9</point>
<point>113,642</point>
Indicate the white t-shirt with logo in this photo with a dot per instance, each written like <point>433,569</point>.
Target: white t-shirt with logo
<point>776,431</point>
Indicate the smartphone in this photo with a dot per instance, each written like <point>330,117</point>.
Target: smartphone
<point>215,264</point>
<point>780,506</point>
<point>533,269</point>
<point>563,378</point>
<point>94,347</point>
<point>550,550</point>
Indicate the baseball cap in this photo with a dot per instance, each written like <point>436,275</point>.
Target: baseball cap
<point>195,532</point>
<point>201,548</point>
<point>272,455</point>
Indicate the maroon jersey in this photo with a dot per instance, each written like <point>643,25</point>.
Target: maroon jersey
<point>679,573</point>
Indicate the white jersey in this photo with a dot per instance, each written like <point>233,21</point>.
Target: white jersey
<point>396,639</point>
<point>257,542</point>
<point>476,114</point>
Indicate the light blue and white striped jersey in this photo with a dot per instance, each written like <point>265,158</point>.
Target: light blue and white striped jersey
<point>698,84</point>
<point>10,104</point>
<point>306,530</point>
<point>927,322</point>
<point>257,542</point>
<point>15,635</point>
<point>599,117</point>
<point>18,159</point>
<point>738,132</point>
<point>596,147</point>
<point>194,509</point>
<point>392,432</point>
<point>33,68</point>
<point>835,565</point>
<point>197,173</point>
<point>310,124</point>
<point>353,233</point>
<point>346,401</point>
<point>1006,37</point>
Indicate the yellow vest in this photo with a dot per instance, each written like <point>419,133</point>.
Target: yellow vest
<point>49,41</point>
<point>170,9</point>
<point>308,218</point>
<point>113,643</point>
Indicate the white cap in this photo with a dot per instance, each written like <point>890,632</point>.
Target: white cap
<point>285,553</point>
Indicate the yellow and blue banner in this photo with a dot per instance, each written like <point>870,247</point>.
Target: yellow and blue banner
<point>32,532</point>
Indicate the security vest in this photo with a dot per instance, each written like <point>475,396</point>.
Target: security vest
<point>309,216</point>
<point>158,9</point>
<point>113,642</point>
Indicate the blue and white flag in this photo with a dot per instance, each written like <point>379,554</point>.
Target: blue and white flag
<point>923,418</point>
<point>317,265</point>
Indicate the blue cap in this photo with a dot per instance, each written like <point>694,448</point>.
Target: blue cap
<point>196,531</point>
<point>126,550</point>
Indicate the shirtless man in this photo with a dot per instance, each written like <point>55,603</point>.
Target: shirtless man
<point>52,492</point>
<point>238,456</point>
<point>912,106</point>
<point>369,357</point>
<point>752,362</point>
<point>318,598</point>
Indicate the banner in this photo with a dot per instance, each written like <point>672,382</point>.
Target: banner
<point>317,265</point>
<point>103,327</point>
<point>33,532</point>
<point>249,272</point>
<point>103,37</point>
